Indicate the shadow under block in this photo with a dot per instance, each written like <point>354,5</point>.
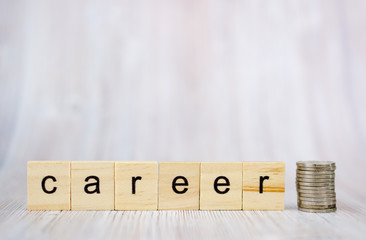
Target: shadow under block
<point>272,176</point>
<point>136,186</point>
<point>48,185</point>
<point>92,185</point>
<point>221,184</point>
<point>179,184</point>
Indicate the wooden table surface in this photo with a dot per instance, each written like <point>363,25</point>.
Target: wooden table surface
<point>183,81</point>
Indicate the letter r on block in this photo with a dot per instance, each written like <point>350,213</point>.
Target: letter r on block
<point>263,185</point>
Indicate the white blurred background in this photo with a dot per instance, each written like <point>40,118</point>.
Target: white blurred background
<point>183,81</point>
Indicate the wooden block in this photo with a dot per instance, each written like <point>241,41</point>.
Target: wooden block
<point>136,186</point>
<point>48,185</point>
<point>92,185</point>
<point>179,184</point>
<point>270,176</point>
<point>221,185</point>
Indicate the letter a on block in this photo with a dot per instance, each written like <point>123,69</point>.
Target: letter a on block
<point>92,185</point>
<point>48,185</point>
<point>136,186</point>
<point>263,185</point>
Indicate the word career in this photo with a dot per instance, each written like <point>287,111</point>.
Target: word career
<point>106,185</point>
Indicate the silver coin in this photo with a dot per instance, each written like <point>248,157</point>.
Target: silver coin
<point>314,175</point>
<point>315,188</point>
<point>314,172</point>
<point>309,206</point>
<point>315,184</point>
<point>300,182</point>
<point>315,163</point>
<point>315,180</point>
<point>319,181</point>
<point>313,191</point>
<point>309,172</point>
<point>316,203</point>
<point>317,206</point>
<point>317,195</point>
<point>321,176</point>
<point>325,206</point>
<point>329,187</point>
<point>315,199</point>
<point>329,210</point>
<point>316,169</point>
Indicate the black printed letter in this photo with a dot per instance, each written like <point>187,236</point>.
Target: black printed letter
<point>216,184</point>
<point>44,184</point>
<point>174,184</point>
<point>261,179</point>
<point>96,184</point>
<point>134,179</point>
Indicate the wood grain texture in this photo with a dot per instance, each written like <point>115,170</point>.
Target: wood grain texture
<point>92,185</point>
<point>183,81</point>
<point>273,191</point>
<point>230,197</point>
<point>145,195</point>
<point>186,179</point>
<point>58,196</point>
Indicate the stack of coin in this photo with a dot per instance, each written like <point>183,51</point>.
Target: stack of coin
<point>315,186</point>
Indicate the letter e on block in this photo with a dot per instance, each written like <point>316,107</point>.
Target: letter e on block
<point>263,185</point>
<point>221,184</point>
<point>48,184</point>
<point>179,185</point>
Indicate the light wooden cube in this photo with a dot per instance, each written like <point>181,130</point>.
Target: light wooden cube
<point>179,184</point>
<point>136,186</point>
<point>92,185</point>
<point>270,176</point>
<point>221,184</point>
<point>48,185</point>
